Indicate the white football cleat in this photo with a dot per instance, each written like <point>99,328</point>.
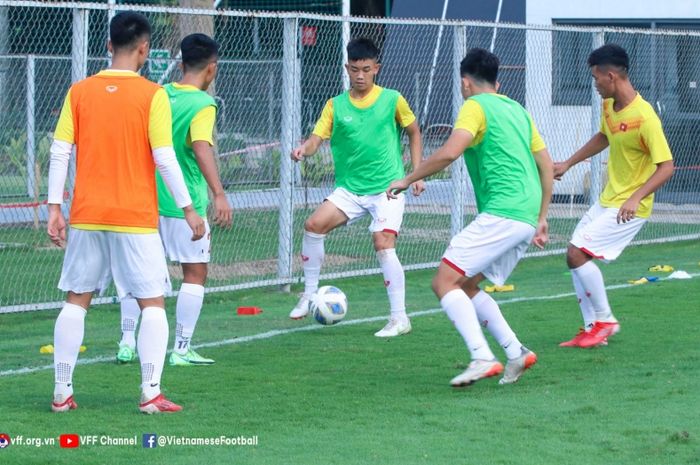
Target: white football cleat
<point>516,367</point>
<point>478,369</point>
<point>302,308</point>
<point>395,327</point>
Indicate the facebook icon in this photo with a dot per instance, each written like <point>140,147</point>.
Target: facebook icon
<point>150,440</point>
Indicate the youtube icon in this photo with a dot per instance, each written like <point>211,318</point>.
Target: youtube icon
<point>68,441</point>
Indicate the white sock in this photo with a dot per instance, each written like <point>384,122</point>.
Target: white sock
<point>152,345</point>
<point>462,313</point>
<point>189,306</point>
<point>584,302</point>
<point>67,338</point>
<point>395,282</point>
<point>312,254</point>
<point>591,280</point>
<point>130,311</point>
<point>491,318</point>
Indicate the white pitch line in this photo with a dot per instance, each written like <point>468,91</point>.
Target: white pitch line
<point>315,327</point>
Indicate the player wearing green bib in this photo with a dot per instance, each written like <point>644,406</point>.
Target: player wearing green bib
<point>194,116</point>
<point>511,172</point>
<point>364,127</point>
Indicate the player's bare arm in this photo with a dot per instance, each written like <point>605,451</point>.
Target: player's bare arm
<point>452,149</point>
<point>545,168</point>
<point>204,153</point>
<point>663,173</point>
<point>415,144</point>
<point>595,145</point>
<point>308,148</point>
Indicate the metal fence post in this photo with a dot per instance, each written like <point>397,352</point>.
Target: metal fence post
<point>79,64</point>
<point>596,109</point>
<point>291,134</point>
<point>31,155</point>
<point>458,169</point>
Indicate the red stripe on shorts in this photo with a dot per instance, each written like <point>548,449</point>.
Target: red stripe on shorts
<point>453,266</point>
<point>395,233</point>
<point>588,252</point>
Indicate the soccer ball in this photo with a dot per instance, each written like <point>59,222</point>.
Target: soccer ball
<point>329,305</point>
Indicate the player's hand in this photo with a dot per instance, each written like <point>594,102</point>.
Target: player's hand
<point>418,187</point>
<point>223,213</point>
<point>298,153</point>
<point>628,210</point>
<point>195,222</point>
<point>396,187</point>
<point>541,235</point>
<point>56,226</point>
<point>559,169</point>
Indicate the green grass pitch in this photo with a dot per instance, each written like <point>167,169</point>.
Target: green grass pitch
<point>338,395</point>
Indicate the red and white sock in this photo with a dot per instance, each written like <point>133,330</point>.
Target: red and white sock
<point>394,281</point>
<point>491,318</point>
<point>592,282</point>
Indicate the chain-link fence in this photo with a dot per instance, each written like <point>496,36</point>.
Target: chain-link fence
<point>276,72</point>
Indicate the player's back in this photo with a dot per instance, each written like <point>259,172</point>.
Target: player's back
<point>115,183</point>
<point>500,164</point>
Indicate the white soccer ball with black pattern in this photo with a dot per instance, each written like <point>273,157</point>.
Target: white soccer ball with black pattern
<point>329,305</point>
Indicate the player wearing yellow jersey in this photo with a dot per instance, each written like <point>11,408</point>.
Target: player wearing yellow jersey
<point>364,127</point>
<point>194,116</point>
<point>640,163</point>
<point>119,123</point>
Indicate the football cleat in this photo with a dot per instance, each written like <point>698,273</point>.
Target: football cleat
<point>159,404</point>
<point>395,327</point>
<point>188,359</point>
<point>302,308</point>
<point>126,354</point>
<point>574,342</point>
<point>59,405</point>
<point>478,369</point>
<point>516,367</point>
<point>599,334</point>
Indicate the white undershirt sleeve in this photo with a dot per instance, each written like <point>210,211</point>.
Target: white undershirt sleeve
<point>60,153</point>
<point>171,173</point>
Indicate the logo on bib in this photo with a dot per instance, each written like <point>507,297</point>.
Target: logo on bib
<point>347,118</point>
<point>111,89</point>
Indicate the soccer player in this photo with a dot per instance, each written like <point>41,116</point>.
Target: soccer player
<point>194,116</point>
<point>511,172</point>
<point>119,123</point>
<point>640,163</point>
<point>364,127</point>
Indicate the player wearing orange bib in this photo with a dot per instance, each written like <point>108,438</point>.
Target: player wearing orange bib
<point>119,124</point>
<point>640,163</point>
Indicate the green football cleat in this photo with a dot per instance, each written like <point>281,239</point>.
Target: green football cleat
<point>126,354</point>
<point>189,359</point>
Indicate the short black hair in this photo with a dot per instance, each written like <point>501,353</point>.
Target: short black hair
<point>128,28</point>
<point>610,55</point>
<point>362,48</point>
<point>198,50</point>
<point>480,64</point>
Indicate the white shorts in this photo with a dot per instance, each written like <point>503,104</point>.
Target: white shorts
<point>177,241</point>
<point>387,215</point>
<point>599,235</point>
<point>491,245</point>
<point>136,263</point>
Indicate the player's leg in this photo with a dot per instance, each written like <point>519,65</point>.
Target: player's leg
<point>130,313</point>
<point>139,270</point>
<point>387,216</point>
<point>194,258</point>
<point>447,286</point>
<point>87,256</point>
<point>332,213</point>
<point>598,236</point>
<point>189,306</point>
<point>517,236</point>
